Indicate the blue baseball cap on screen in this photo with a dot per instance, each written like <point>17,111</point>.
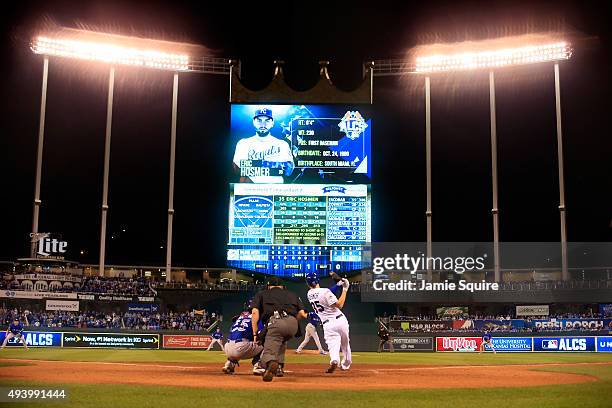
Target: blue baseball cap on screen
<point>263,112</point>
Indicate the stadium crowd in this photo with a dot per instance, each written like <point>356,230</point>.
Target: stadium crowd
<point>496,323</point>
<point>138,286</point>
<point>194,320</point>
<point>91,284</point>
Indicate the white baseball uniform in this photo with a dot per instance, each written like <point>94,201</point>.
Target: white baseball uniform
<point>267,148</point>
<point>311,332</point>
<point>335,325</point>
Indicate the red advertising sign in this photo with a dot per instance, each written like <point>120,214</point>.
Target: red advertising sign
<point>458,343</point>
<point>186,341</point>
<point>463,325</point>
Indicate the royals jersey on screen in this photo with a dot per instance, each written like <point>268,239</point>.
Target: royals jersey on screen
<point>256,148</point>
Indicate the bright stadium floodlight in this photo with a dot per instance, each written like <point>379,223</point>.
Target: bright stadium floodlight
<point>531,54</point>
<point>115,50</point>
<point>110,53</point>
<point>491,55</point>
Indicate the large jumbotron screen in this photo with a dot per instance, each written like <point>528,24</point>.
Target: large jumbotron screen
<point>300,193</point>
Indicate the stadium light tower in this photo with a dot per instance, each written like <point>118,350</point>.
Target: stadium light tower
<point>115,50</point>
<point>492,55</point>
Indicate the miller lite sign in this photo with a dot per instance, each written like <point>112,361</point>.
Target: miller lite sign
<point>47,246</point>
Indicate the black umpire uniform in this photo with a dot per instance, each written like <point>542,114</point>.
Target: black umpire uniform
<point>385,337</point>
<point>279,310</point>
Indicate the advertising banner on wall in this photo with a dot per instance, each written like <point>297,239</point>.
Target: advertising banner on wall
<point>186,342</point>
<point>463,324</point>
<point>111,340</point>
<point>143,307</point>
<point>67,305</point>
<point>35,339</point>
<point>406,343</point>
<point>512,343</point>
<point>452,311</point>
<point>471,344</point>
<point>535,310</point>
<point>572,324</point>
<point>564,344</point>
<point>498,325</point>
<point>21,294</point>
<point>463,344</point>
<point>421,325</point>
<point>604,344</point>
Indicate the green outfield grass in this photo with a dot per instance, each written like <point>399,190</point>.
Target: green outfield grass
<point>586,395</point>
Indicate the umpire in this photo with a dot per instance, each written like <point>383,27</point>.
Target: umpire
<point>385,337</point>
<point>279,310</point>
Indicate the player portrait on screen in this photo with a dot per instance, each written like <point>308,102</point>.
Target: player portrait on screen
<point>262,157</point>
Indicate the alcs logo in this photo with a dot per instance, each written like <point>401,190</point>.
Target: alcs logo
<point>565,344</point>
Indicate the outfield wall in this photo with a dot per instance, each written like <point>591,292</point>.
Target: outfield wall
<point>402,343</point>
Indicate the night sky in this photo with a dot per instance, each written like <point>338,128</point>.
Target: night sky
<point>302,33</point>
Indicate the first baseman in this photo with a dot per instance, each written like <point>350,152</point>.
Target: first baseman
<point>15,329</point>
<point>335,325</point>
<point>217,338</point>
<point>311,333</point>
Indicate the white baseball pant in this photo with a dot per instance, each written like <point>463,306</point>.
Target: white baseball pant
<point>212,343</point>
<point>10,335</point>
<point>337,338</point>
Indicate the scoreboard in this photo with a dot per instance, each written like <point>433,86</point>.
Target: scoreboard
<point>292,229</point>
<point>300,188</point>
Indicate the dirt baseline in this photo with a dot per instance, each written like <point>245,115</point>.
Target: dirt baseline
<point>299,376</point>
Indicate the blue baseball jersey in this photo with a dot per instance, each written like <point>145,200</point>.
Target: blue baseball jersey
<point>313,319</point>
<point>243,328</point>
<point>486,337</point>
<point>217,335</point>
<point>16,328</point>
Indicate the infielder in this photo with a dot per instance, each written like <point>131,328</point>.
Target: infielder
<point>263,158</point>
<point>487,340</point>
<point>240,344</point>
<point>311,332</point>
<point>15,329</point>
<point>335,325</point>
<point>217,339</point>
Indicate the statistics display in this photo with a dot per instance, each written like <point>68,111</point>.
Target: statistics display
<point>289,230</point>
<point>301,144</point>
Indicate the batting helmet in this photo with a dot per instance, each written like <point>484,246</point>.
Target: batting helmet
<point>312,279</point>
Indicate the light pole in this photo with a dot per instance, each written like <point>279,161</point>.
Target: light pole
<point>492,55</point>
<point>107,147</point>
<point>171,182</point>
<point>39,155</point>
<point>564,271</point>
<point>428,212</point>
<point>495,210</point>
<point>116,50</point>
